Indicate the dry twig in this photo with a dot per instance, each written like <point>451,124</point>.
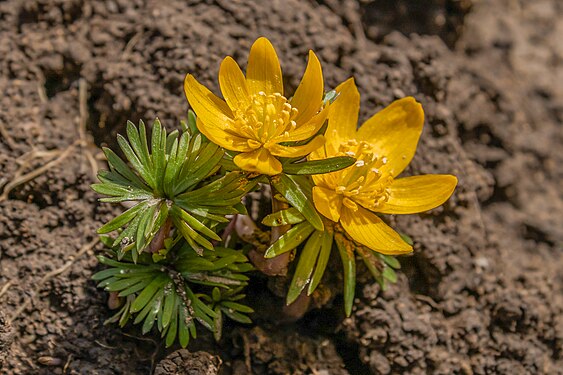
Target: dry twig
<point>36,172</point>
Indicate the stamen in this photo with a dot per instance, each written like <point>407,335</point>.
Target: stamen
<point>254,143</point>
<point>350,204</point>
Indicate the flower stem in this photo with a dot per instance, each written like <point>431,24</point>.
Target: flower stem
<point>276,266</point>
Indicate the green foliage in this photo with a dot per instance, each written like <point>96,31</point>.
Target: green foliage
<point>319,166</point>
<point>165,185</point>
<point>225,303</point>
<point>179,202</point>
<point>165,266</point>
<point>315,252</point>
<point>175,293</point>
<point>298,192</point>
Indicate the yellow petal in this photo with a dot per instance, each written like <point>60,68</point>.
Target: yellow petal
<point>309,94</point>
<point>415,194</point>
<point>395,131</point>
<point>308,129</point>
<point>258,161</point>
<point>233,84</point>
<point>368,229</point>
<point>223,138</point>
<point>343,116</point>
<point>214,112</point>
<point>327,203</point>
<point>297,151</point>
<point>263,72</point>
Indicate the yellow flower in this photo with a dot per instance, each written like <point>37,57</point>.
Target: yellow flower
<point>256,119</point>
<point>383,146</point>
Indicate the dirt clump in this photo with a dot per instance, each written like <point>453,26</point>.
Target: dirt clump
<point>182,362</point>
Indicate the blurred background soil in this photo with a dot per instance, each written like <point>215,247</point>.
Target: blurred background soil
<point>482,293</point>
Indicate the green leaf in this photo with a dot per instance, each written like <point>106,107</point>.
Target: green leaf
<point>136,288</point>
<point>144,222</point>
<point>283,217</point>
<point>105,274</point>
<point>123,169</point>
<point>290,240</point>
<point>171,139</point>
<point>113,263</point>
<point>106,282</point>
<point>305,266</point>
<point>138,140</point>
<point>349,264</point>
<point>155,307</point>
<point>121,220</point>
<point>173,327</point>
<point>148,293</point>
<point>237,307</point>
<point>228,164</point>
<point>322,261</point>
<point>299,195</point>
<point>191,235</point>
<point>192,122</point>
<point>236,316</point>
<point>183,332</point>
<point>391,261</point>
<point>122,193</point>
<point>177,159</point>
<point>135,161</point>
<point>218,325</point>
<point>158,148</point>
<point>371,259</point>
<point>194,223</point>
<point>389,274</point>
<point>119,285</point>
<point>406,238</point>
<point>319,166</point>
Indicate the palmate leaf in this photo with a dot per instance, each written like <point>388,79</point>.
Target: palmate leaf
<point>165,178</point>
<point>382,267</point>
<point>176,294</point>
<point>218,198</point>
<point>223,268</point>
<point>223,302</point>
<point>154,294</point>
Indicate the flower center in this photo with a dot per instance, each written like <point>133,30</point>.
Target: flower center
<point>365,183</point>
<point>266,121</point>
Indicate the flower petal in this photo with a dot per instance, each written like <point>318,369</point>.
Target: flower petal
<point>308,129</point>
<point>297,151</point>
<point>259,161</point>
<point>368,229</point>
<point>263,72</point>
<point>327,202</point>
<point>223,138</point>
<point>213,111</point>
<point>410,195</point>
<point>233,84</point>
<point>343,116</point>
<point>308,97</point>
<point>395,131</point>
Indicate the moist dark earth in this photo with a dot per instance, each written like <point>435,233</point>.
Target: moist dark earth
<point>482,293</point>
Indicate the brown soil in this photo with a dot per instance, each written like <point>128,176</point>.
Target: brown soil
<point>482,293</point>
